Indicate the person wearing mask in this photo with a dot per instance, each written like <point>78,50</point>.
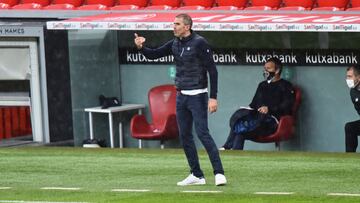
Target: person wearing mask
<point>194,59</point>
<point>274,98</point>
<point>352,129</point>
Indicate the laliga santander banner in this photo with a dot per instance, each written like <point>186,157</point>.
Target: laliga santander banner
<point>215,21</point>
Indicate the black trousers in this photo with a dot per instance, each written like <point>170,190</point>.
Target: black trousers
<point>352,131</point>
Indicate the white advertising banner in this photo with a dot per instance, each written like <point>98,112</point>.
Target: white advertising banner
<point>212,21</point>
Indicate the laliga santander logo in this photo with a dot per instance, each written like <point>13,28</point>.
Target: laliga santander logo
<point>118,25</point>
<point>231,27</point>
<point>61,25</point>
<point>344,27</point>
<point>90,25</point>
<point>131,18</point>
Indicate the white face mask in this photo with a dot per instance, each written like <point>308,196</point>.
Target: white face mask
<point>350,83</point>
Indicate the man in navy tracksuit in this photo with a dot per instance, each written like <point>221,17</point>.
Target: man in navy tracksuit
<point>193,58</point>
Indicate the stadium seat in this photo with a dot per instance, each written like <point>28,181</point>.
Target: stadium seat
<point>27,6</point>
<point>341,4</point>
<point>236,3</point>
<point>191,8</point>
<point>41,2</point>
<point>107,3</point>
<point>4,6</point>
<point>353,9</point>
<point>7,127</point>
<point>2,123</point>
<point>293,8</point>
<point>307,4</point>
<point>286,127</point>
<point>75,3</point>
<point>226,8</point>
<point>93,7</point>
<point>139,3</point>
<point>354,3</point>
<point>124,7</point>
<point>14,121</point>
<point>59,7</point>
<point>203,3</point>
<point>327,9</point>
<point>162,104</point>
<point>10,2</point>
<point>258,8</point>
<point>160,7</point>
<point>275,4</point>
<point>172,3</point>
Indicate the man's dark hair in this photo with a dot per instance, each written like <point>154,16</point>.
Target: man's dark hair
<point>355,68</point>
<point>186,19</point>
<point>277,62</point>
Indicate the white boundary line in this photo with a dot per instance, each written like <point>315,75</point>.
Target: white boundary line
<point>130,190</point>
<point>60,188</point>
<point>202,191</point>
<point>273,193</point>
<point>344,194</point>
<point>5,188</point>
<point>23,201</point>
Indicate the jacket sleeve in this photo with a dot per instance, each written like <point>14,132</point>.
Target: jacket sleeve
<point>159,52</point>
<point>256,101</point>
<point>206,56</point>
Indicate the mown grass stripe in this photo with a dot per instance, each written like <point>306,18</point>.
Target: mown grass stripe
<point>130,190</point>
<point>60,188</point>
<point>5,188</point>
<point>202,191</point>
<point>273,193</point>
<point>344,194</point>
<point>23,201</point>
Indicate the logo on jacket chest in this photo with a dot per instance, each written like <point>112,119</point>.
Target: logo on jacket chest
<point>185,49</point>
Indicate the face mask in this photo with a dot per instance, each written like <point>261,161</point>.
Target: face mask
<point>350,83</point>
<point>269,76</point>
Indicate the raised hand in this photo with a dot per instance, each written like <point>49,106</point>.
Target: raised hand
<point>263,109</point>
<point>139,41</point>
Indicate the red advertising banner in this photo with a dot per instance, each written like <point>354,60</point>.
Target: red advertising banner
<point>216,21</point>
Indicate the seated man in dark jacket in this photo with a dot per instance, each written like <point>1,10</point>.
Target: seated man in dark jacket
<point>274,98</point>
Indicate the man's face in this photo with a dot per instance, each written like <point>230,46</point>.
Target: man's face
<point>352,79</point>
<point>180,29</point>
<point>350,75</point>
<point>269,67</point>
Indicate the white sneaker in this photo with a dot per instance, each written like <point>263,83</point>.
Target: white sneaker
<point>192,180</point>
<point>220,179</point>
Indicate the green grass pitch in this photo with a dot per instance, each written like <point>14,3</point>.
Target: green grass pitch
<point>309,177</point>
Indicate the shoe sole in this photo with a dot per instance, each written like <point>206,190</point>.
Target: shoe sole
<point>91,146</point>
<point>192,184</point>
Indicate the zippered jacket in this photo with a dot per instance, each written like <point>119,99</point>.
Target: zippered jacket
<point>193,58</point>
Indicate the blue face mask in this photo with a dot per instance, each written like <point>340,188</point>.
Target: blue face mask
<point>268,76</point>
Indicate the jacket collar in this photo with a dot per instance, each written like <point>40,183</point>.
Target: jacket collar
<point>185,39</point>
